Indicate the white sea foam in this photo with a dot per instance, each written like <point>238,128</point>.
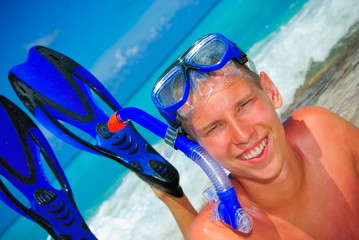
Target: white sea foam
<point>133,212</point>
<point>286,55</point>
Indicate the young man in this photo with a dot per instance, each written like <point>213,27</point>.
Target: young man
<point>297,180</point>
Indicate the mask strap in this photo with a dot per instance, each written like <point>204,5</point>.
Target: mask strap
<point>171,135</point>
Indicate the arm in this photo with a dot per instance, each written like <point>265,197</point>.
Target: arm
<point>352,138</point>
<point>181,209</point>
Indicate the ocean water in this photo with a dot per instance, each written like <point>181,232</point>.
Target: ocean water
<point>283,38</point>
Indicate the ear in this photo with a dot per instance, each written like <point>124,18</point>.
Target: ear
<point>270,89</point>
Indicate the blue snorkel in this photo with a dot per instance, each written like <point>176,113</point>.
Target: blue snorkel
<point>227,208</point>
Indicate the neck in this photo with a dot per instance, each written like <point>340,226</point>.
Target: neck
<point>281,191</point>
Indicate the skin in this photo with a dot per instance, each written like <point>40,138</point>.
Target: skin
<point>181,209</point>
<point>304,182</point>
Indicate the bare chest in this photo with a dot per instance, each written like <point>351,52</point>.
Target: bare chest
<point>328,210</point>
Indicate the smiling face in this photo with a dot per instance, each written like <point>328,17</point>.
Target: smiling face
<point>240,128</point>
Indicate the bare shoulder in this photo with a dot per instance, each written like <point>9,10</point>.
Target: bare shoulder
<point>201,227</point>
<point>315,113</point>
<point>320,120</point>
<point>316,125</point>
<point>204,228</point>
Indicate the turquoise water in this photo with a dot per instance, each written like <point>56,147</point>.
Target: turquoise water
<point>118,205</point>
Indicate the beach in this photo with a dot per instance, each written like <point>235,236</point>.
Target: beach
<point>334,82</point>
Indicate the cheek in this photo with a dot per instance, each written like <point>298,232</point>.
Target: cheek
<point>263,113</point>
<point>268,122</point>
<point>217,147</point>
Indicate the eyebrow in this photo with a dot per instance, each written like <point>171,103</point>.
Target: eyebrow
<point>238,103</point>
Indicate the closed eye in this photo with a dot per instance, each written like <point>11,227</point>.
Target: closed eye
<point>213,128</point>
<point>251,98</point>
<point>246,103</point>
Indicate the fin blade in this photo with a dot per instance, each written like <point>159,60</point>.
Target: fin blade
<point>31,181</point>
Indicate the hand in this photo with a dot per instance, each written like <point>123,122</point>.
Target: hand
<point>181,209</point>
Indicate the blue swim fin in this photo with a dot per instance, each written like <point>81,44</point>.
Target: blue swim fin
<point>22,146</point>
<point>61,93</point>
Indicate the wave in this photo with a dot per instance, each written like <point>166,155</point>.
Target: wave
<point>286,55</point>
<point>133,212</point>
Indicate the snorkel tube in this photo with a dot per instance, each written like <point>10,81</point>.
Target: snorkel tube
<point>227,208</point>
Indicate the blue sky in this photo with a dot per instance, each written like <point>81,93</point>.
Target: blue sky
<point>82,29</point>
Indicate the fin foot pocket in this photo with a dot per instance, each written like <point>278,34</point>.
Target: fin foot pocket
<point>135,166</point>
<point>162,169</point>
<point>44,196</point>
<point>102,130</point>
<point>65,237</point>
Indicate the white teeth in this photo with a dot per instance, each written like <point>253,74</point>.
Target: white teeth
<point>255,152</point>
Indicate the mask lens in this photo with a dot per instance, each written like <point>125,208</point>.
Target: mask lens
<point>172,89</point>
<point>210,53</point>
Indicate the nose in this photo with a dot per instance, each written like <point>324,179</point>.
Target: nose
<point>241,131</point>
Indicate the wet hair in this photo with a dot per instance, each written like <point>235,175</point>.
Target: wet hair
<point>253,76</point>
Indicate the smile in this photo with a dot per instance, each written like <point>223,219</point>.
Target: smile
<point>256,151</point>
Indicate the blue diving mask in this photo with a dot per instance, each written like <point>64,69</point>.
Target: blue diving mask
<point>209,54</point>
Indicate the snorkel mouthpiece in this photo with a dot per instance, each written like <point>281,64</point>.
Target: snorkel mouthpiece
<point>227,209</point>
